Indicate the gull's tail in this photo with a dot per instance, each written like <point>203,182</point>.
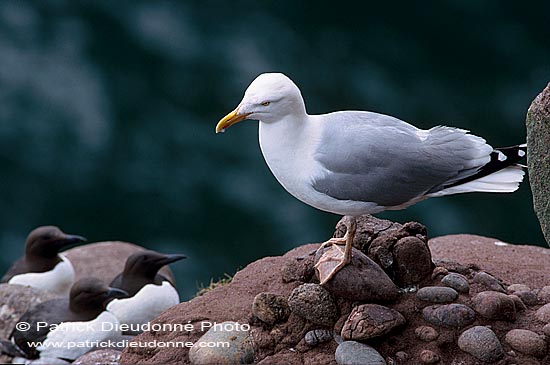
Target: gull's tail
<point>502,174</point>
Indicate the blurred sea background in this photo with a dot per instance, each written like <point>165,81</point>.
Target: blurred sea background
<point>108,109</point>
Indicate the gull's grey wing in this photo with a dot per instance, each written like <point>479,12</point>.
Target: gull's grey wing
<point>371,157</point>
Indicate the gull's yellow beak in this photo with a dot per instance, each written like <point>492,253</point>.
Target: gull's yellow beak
<point>230,119</point>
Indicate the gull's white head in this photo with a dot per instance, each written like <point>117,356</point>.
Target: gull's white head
<point>269,98</point>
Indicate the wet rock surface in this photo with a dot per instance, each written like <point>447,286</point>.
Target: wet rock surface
<point>430,334</point>
<point>367,321</point>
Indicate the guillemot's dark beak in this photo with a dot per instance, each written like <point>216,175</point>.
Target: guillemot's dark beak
<point>116,293</point>
<point>168,259</point>
<point>69,240</point>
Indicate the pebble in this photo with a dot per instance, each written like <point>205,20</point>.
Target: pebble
<point>314,303</point>
<point>495,306</point>
<point>367,321</point>
<point>270,308</point>
<point>544,294</point>
<point>489,281</point>
<point>412,261</point>
<point>482,343</point>
<point>102,357</point>
<point>356,353</point>
<point>439,271</point>
<point>315,337</point>
<point>362,280</point>
<point>517,287</point>
<point>518,303</point>
<point>543,313</point>
<point>449,315</point>
<point>402,357</point>
<point>437,294</point>
<point>426,333</point>
<point>527,297</point>
<point>456,281</point>
<point>240,350</point>
<point>429,357</point>
<point>526,342</point>
<point>546,329</point>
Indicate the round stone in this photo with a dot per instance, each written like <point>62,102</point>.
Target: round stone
<point>544,294</point>
<point>315,337</point>
<point>543,313</point>
<point>517,287</point>
<point>495,306</point>
<point>456,281</point>
<point>526,342</point>
<point>426,333</point>
<point>482,343</point>
<point>314,303</point>
<point>239,351</point>
<point>270,308</point>
<point>449,315</point>
<point>437,294</point>
<point>518,303</point>
<point>527,297</point>
<point>429,357</point>
<point>367,321</point>
<point>489,281</point>
<point>356,353</point>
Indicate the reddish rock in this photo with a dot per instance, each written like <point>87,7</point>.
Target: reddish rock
<point>526,342</point>
<point>367,321</point>
<point>495,305</point>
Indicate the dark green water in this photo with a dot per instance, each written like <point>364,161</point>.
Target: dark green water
<point>108,108</point>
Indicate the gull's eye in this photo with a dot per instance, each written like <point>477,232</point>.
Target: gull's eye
<point>265,103</point>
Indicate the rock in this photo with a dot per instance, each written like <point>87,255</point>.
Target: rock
<point>298,270</point>
<point>15,300</point>
<point>355,353</point>
<point>495,306</point>
<point>439,271</point>
<point>314,303</point>
<point>270,308</point>
<point>482,343</point>
<point>426,333</point>
<point>543,295</point>
<point>538,152</point>
<point>436,294</point>
<point>527,297</point>
<point>315,337</point>
<point>368,229</point>
<point>517,287</point>
<point>412,261</point>
<point>449,315</point>
<point>543,313</point>
<point>429,357</point>
<point>527,342</point>
<point>367,321</point>
<point>361,280</point>
<point>456,281</point>
<point>109,258</point>
<point>240,350</point>
<point>402,357</point>
<point>546,329</point>
<point>489,281</point>
<point>518,303</point>
<point>99,357</point>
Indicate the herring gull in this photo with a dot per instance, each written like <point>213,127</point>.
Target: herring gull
<point>357,162</point>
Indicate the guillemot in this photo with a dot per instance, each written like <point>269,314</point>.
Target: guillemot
<point>57,328</point>
<point>42,266</point>
<point>150,292</point>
